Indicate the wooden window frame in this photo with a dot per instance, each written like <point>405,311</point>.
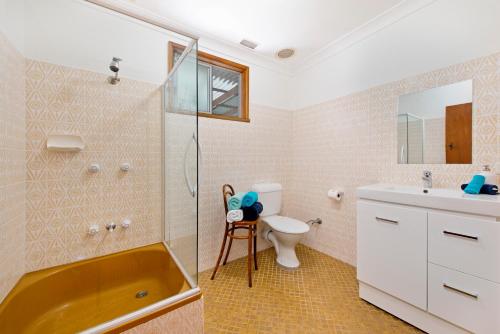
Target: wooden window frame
<point>220,62</point>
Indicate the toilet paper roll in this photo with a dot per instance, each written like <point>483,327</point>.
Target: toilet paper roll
<point>335,194</point>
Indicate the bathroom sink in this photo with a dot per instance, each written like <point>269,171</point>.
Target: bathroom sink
<point>438,198</point>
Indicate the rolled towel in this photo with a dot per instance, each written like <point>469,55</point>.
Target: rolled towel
<point>250,213</point>
<point>249,199</point>
<point>474,186</point>
<point>235,201</point>
<point>487,189</point>
<point>259,207</point>
<point>234,216</point>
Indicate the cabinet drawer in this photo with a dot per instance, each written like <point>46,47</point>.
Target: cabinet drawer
<point>470,302</point>
<point>467,244</point>
<point>392,250</point>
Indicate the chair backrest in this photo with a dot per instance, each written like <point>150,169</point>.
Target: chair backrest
<point>227,192</point>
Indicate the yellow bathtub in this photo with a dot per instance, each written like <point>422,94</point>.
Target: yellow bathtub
<point>108,294</point>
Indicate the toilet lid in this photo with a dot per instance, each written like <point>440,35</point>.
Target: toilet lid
<point>286,224</point>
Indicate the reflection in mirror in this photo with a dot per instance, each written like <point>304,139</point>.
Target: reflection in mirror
<point>435,125</point>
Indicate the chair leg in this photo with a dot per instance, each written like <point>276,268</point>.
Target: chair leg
<point>249,257</point>
<point>255,249</point>
<point>228,247</point>
<point>221,252</point>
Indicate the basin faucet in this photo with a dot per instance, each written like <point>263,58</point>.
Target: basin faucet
<point>427,177</point>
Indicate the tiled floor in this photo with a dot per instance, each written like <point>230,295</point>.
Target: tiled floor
<point>320,297</point>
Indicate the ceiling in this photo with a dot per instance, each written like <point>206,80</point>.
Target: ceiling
<point>305,25</point>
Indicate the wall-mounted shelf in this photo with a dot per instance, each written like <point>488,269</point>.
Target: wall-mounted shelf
<point>65,143</point>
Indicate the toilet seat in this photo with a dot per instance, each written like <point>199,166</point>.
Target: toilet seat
<point>286,224</point>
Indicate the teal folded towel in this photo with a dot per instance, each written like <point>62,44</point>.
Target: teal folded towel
<point>235,201</point>
<point>249,199</point>
<point>474,186</point>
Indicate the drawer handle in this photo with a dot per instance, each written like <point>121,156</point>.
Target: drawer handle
<point>471,237</point>
<point>469,294</point>
<point>384,220</point>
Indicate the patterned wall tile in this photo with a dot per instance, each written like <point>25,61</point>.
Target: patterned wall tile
<point>12,165</point>
<point>118,124</point>
<point>352,141</point>
<point>240,154</point>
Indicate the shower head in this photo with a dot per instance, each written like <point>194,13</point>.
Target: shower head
<point>114,66</point>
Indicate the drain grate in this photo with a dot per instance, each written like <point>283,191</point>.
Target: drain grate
<point>141,294</point>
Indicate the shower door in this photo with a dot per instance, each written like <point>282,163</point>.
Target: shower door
<point>181,158</point>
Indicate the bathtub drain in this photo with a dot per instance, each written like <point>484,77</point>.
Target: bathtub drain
<point>141,294</point>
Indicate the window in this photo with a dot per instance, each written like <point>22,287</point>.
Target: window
<point>222,85</point>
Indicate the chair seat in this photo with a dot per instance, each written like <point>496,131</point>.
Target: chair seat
<point>245,222</point>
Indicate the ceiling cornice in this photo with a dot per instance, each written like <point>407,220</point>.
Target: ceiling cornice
<point>207,41</point>
<point>236,51</point>
<point>387,18</point>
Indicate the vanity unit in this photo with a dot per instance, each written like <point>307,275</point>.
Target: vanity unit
<point>431,258</point>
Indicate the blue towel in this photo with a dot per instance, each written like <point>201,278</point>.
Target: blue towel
<point>250,213</point>
<point>235,201</point>
<point>259,207</point>
<point>249,199</point>
<point>487,189</point>
<point>474,186</point>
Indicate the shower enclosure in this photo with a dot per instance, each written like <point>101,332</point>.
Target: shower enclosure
<point>410,139</point>
<point>182,156</point>
<point>107,235</point>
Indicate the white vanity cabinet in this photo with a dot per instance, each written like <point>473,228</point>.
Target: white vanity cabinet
<point>392,252</point>
<point>430,258</point>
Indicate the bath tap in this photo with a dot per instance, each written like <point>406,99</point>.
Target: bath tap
<point>427,178</point>
<point>110,226</point>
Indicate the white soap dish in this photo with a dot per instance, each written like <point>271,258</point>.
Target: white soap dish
<point>65,143</point>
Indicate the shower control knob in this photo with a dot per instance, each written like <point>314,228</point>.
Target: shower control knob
<point>125,167</point>
<point>93,229</point>
<point>126,223</point>
<point>110,226</point>
<point>94,168</point>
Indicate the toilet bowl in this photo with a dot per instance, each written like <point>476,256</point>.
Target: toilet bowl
<point>283,232</point>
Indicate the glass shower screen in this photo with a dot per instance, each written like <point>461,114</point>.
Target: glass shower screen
<point>181,158</point>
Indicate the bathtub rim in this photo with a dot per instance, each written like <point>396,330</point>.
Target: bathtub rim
<point>147,313</point>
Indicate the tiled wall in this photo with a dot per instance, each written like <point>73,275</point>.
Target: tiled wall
<point>239,154</point>
<point>352,141</point>
<point>118,124</point>
<point>186,319</point>
<point>12,165</point>
<point>434,151</point>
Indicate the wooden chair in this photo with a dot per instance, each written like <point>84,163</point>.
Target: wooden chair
<point>250,226</point>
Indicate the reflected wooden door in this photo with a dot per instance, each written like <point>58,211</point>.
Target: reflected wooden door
<point>459,134</point>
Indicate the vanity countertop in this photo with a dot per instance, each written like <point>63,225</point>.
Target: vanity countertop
<point>435,198</point>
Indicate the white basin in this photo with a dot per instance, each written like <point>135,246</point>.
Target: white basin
<point>437,198</point>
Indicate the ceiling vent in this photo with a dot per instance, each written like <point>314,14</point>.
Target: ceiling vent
<point>285,53</point>
<point>248,44</point>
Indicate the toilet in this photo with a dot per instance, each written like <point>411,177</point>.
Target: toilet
<point>283,232</point>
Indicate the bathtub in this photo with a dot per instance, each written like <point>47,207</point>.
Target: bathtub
<point>108,294</point>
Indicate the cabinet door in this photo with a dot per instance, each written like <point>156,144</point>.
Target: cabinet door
<point>392,250</point>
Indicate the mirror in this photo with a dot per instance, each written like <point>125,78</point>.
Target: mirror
<point>435,125</point>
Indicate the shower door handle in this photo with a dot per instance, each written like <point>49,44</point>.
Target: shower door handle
<point>402,158</point>
<point>193,189</point>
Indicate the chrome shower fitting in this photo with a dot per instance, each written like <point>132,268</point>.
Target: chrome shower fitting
<point>111,227</point>
<point>114,66</point>
<point>315,221</point>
